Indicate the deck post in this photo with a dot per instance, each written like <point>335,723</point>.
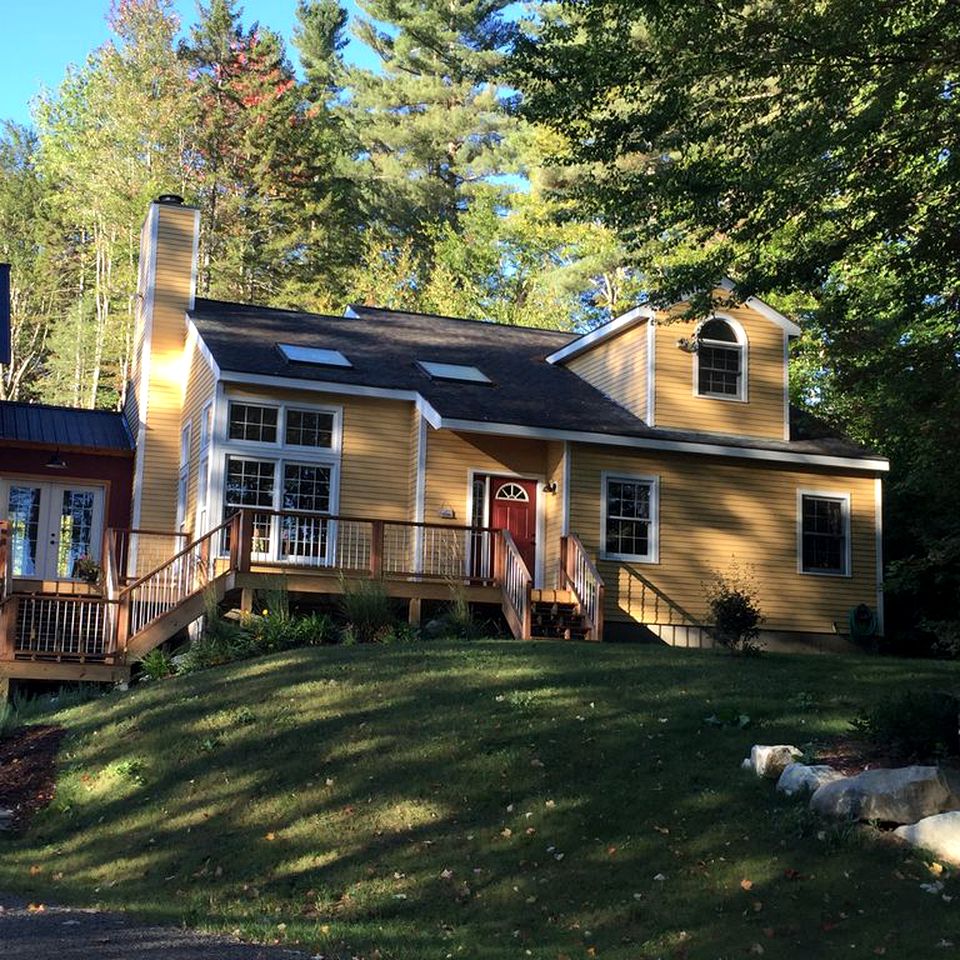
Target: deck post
<point>4,689</point>
<point>246,600</point>
<point>413,612</point>
<point>122,628</point>
<point>245,541</point>
<point>8,627</point>
<point>376,549</point>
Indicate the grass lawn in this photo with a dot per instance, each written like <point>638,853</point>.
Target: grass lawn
<point>485,800</point>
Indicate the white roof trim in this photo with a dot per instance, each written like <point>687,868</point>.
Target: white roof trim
<point>430,414</point>
<point>764,309</point>
<point>610,329</point>
<point>677,446</point>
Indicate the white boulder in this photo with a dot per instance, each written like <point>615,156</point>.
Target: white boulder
<point>940,834</point>
<point>799,778</point>
<point>770,762</point>
<point>903,795</point>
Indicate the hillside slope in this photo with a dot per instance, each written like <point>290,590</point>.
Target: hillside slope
<point>485,800</point>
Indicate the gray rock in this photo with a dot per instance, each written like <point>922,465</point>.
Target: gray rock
<point>770,762</point>
<point>799,778</point>
<point>903,795</point>
<point>940,834</point>
<point>6,819</point>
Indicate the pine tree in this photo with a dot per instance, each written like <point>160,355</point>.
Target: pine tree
<point>432,122</point>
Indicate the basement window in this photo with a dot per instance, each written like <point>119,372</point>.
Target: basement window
<point>452,371</point>
<point>315,355</point>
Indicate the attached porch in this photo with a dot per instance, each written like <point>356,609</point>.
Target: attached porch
<point>66,634</point>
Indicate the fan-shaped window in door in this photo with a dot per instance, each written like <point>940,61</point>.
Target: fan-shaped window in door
<point>513,491</point>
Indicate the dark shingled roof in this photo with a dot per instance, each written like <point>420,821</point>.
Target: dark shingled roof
<point>63,426</point>
<point>384,345</point>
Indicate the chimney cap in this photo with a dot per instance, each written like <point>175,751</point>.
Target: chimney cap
<point>171,199</point>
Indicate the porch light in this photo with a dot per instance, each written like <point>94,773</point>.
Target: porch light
<point>56,462</point>
<point>550,487</point>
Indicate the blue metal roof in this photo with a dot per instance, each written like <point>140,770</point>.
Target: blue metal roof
<point>63,426</point>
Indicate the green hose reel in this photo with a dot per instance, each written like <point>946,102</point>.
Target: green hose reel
<point>862,622</point>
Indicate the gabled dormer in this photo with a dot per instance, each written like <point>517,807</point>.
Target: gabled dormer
<point>724,373</point>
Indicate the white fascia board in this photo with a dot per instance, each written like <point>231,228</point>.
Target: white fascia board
<point>675,446</point>
<point>194,337</point>
<point>325,386</point>
<point>605,332</point>
<point>764,309</point>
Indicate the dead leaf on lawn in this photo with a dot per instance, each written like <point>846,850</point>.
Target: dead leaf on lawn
<point>746,884</point>
<point>270,836</point>
<point>35,908</point>
<point>34,870</point>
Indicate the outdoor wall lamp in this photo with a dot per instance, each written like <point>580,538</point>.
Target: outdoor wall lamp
<point>550,487</point>
<point>56,462</point>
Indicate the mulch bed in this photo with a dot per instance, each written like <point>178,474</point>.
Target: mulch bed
<point>28,765</point>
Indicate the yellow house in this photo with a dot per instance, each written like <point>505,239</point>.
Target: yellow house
<point>589,485</point>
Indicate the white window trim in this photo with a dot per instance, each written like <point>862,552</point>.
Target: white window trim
<point>742,343</point>
<point>280,444</point>
<point>653,554</point>
<point>845,512</point>
<point>278,453</point>
<point>206,425</point>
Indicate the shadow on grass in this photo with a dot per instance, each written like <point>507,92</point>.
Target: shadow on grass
<point>479,800</point>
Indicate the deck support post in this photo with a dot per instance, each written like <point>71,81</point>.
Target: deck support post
<point>4,690</point>
<point>376,549</point>
<point>246,600</point>
<point>8,627</point>
<point>413,613</point>
<point>245,541</point>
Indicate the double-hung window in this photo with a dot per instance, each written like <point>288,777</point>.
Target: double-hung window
<point>283,459</point>
<point>183,476</point>
<point>824,533</point>
<point>630,513</point>
<point>720,361</point>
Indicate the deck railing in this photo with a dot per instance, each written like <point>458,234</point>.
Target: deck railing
<point>662,614</point>
<point>60,626</point>
<point>516,582</point>
<point>380,548</point>
<point>579,574</point>
<point>163,589</point>
<point>136,552</point>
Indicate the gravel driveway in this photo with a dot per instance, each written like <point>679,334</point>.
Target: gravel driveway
<point>59,933</point>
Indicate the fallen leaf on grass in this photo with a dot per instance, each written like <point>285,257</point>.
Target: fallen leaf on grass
<point>663,830</point>
<point>270,836</point>
<point>746,884</point>
<point>35,908</point>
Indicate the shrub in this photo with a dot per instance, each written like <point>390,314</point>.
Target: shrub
<point>457,618</point>
<point>917,724</point>
<point>735,612</point>
<point>157,665</point>
<point>220,641</point>
<point>367,610</point>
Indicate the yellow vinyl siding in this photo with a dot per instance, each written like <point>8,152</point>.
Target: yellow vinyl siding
<point>676,403</point>
<point>377,448</point>
<point>199,390</point>
<point>160,451</point>
<point>714,510</point>
<point>553,514</point>
<point>618,368</point>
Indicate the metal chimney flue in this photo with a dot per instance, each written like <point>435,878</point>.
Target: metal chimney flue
<point>170,199</point>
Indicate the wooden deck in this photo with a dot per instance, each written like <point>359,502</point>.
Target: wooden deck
<point>80,635</point>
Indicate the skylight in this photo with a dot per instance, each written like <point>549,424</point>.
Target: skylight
<point>317,355</point>
<point>452,371</point>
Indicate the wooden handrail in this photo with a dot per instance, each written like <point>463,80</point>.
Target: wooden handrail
<point>139,531</point>
<point>336,517</point>
<point>515,586</point>
<point>231,521</point>
<point>581,575</point>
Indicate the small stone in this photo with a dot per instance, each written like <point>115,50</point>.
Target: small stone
<point>799,778</point>
<point>770,762</point>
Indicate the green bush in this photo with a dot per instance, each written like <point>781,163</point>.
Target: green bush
<point>735,612</point>
<point>157,665</point>
<point>368,612</point>
<point>457,617</point>
<point>918,724</point>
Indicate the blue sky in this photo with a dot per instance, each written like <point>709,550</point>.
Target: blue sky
<point>44,36</point>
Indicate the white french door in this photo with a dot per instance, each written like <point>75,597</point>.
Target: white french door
<point>52,525</point>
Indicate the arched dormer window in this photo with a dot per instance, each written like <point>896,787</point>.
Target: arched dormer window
<point>721,360</point>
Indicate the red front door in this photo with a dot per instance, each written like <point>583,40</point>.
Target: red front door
<point>513,507</point>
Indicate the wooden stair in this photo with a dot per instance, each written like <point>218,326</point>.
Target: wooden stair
<point>556,615</point>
